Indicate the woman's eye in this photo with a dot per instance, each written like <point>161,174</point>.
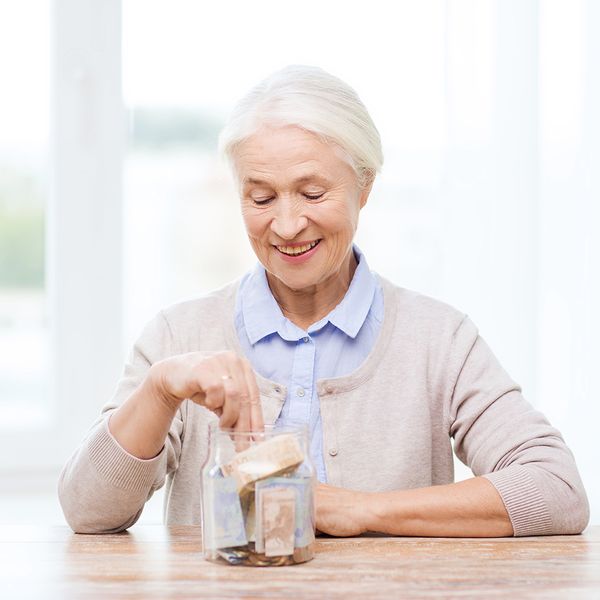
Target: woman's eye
<point>313,196</point>
<point>261,201</point>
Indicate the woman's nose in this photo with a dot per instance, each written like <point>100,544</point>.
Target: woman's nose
<point>288,221</point>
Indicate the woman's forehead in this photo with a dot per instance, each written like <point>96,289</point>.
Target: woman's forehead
<point>291,152</point>
<point>288,142</point>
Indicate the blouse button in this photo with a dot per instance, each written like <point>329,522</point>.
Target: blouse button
<point>305,339</point>
<point>300,392</point>
<point>333,451</point>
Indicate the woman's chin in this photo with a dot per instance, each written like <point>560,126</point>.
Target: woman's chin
<point>296,284</point>
<point>295,277</point>
<point>293,281</point>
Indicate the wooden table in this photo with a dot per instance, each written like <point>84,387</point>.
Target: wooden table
<point>158,562</point>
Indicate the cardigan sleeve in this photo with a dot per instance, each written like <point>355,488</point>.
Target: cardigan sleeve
<point>500,436</point>
<point>102,488</point>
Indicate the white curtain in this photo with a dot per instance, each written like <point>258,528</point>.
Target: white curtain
<point>568,298</point>
<point>488,111</point>
<point>488,198</point>
<point>521,244</point>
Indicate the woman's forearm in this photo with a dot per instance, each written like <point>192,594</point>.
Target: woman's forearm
<point>470,508</point>
<point>141,424</point>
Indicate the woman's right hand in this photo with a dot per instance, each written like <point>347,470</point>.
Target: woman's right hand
<point>224,383</point>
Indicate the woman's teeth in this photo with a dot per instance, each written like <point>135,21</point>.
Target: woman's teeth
<point>297,250</point>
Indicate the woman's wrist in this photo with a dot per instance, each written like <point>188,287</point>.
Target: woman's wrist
<point>375,512</point>
<point>155,388</point>
<point>141,424</point>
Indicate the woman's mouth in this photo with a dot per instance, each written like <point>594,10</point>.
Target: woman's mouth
<point>297,250</point>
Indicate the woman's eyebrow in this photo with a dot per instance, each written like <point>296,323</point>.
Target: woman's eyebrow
<point>311,177</point>
<point>301,179</point>
<point>253,181</point>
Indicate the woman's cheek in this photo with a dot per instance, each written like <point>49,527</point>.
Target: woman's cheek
<point>338,220</point>
<point>254,223</point>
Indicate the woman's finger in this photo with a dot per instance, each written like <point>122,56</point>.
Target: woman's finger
<point>256,422</point>
<point>243,422</point>
<point>231,404</point>
<point>214,394</point>
<point>235,385</point>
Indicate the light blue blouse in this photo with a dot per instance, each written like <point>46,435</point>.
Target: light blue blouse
<point>333,347</point>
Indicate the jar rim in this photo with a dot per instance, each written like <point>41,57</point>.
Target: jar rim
<point>269,430</point>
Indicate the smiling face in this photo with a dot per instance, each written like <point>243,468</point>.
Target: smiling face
<point>300,203</point>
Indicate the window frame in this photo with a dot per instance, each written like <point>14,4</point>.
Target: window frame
<point>83,234</point>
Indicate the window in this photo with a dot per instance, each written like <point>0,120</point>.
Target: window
<point>61,121</point>
<point>24,122</point>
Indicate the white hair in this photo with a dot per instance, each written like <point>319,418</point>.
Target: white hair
<point>318,102</point>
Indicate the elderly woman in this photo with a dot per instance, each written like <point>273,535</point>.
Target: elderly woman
<point>383,377</point>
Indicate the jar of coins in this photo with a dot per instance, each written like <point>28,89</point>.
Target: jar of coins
<point>258,497</point>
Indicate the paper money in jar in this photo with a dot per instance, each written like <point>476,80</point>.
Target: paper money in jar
<point>270,457</point>
<point>257,504</point>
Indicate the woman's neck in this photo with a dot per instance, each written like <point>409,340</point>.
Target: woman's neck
<point>307,306</point>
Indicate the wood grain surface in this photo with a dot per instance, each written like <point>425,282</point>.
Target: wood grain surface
<point>159,562</point>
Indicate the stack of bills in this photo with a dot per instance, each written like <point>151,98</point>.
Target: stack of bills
<point>259,506</point>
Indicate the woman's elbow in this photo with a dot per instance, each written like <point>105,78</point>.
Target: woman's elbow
<point>84,517</point>
<point>580,516</point>
<point>572,514</point>
<point>80,522</point>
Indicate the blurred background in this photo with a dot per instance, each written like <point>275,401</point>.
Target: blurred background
<point>113,202</point>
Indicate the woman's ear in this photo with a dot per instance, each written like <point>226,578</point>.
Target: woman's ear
<point>368,179</point>
<point>364,196</point>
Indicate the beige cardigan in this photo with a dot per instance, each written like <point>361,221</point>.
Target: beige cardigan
<point>386,426</point>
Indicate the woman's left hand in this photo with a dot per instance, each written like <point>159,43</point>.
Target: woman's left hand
<point>340,512</point>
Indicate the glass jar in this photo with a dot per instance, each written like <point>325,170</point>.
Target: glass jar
<point>258,497</point>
